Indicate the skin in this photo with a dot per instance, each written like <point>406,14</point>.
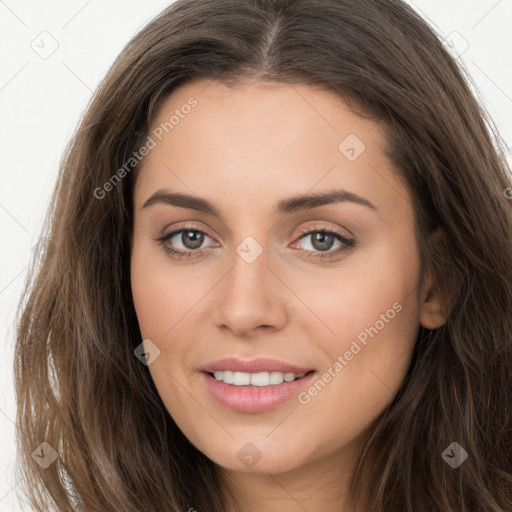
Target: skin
<point>245,148</point>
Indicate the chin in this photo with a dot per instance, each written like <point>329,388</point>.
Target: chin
<point>264,456</point>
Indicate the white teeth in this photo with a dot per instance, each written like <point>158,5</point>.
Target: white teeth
<point>276,378</point>
<point>228,377</point>
<point>242,379</point>
<point>260,379</point>
<point>220,375</point>
<point>255,379</point>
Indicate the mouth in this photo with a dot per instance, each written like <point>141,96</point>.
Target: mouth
<point>257,379</point>
<point>245,392</point>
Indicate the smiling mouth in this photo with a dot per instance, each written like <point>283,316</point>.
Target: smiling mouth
<point>258,379</point>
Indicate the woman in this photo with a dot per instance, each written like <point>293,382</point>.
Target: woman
<point>185,343</point>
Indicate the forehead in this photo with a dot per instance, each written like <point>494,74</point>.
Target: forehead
<point>260,142</point>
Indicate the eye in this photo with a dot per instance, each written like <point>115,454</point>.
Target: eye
<point>322,240</point>
<point>189,238</point>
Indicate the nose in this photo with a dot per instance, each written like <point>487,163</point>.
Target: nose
<point>251,298</point>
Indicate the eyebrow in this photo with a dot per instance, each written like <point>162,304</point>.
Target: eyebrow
<point>283,207</point>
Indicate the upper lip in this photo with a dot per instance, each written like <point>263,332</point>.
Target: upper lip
<point>261,364</point>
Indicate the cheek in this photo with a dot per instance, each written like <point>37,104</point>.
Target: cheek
<point>166,300</point>
<point>374,315</point>
<point>374,298</point>
<point>153,303</point>
<point>161,297</point>
<point>163,305</point>
<point>370,312</point>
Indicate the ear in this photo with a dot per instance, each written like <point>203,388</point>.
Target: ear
<point>433,312</point>
<point>438,293</point>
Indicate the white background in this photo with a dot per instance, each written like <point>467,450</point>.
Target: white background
<point>41,101</point>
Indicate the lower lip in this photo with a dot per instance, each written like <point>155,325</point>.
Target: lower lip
<point>254,398</point>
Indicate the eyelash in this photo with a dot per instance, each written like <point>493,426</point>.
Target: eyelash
<point>347,243</point>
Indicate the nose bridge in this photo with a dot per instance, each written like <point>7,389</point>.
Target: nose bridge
<point>248,278</point>
<point>250,290</point>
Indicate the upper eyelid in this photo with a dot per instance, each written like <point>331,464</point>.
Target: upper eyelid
<point>303,232</point>
<point>175,231</point>
<point>318,226</point>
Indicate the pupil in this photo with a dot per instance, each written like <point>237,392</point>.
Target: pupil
<point>320,243</point>
<point>195,236</point>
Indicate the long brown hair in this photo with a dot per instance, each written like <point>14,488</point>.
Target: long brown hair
<point>79,386</point>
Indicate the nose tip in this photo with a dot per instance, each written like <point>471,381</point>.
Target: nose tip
<point>249,299</point>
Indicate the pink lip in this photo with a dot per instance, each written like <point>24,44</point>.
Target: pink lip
<point>260,364</point>
<point>254,399</point>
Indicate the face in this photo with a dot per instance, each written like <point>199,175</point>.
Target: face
<point>284,323</point>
